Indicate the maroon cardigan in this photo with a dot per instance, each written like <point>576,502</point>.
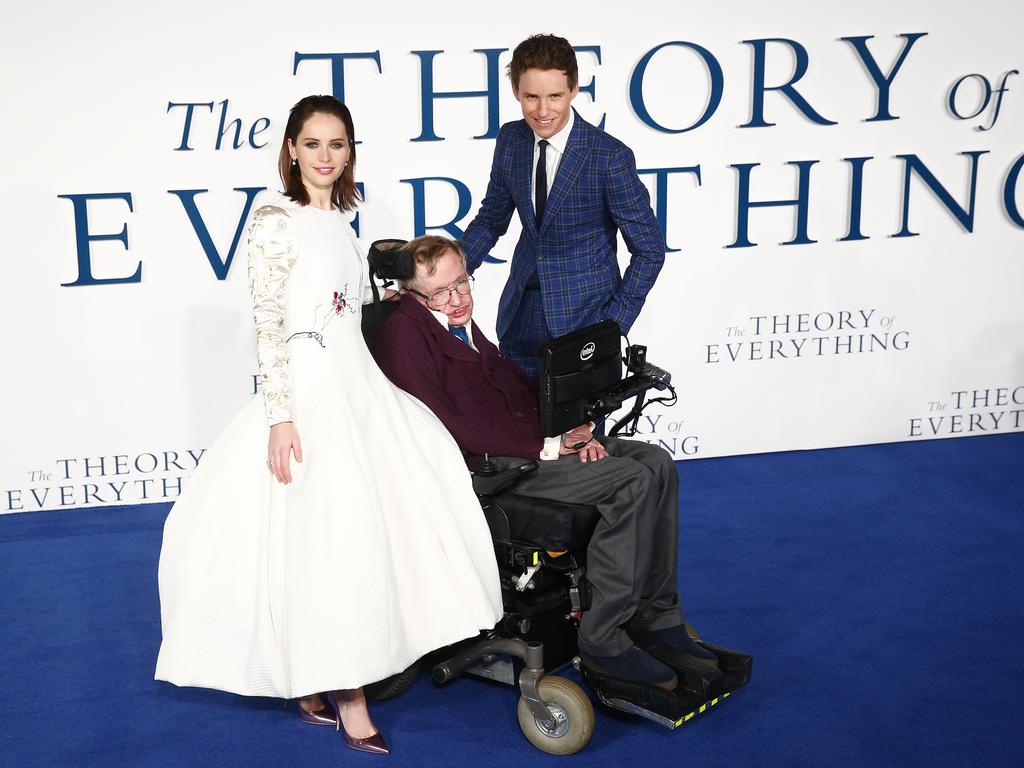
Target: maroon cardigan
<point>486,401</point>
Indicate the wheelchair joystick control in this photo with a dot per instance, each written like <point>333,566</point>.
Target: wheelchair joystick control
<point>487,467</point>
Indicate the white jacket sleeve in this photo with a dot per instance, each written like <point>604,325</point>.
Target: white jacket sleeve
<point>271,255</point>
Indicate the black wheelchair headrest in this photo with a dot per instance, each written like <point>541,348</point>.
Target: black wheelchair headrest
<point>387,263</point>
<point>390,263</point>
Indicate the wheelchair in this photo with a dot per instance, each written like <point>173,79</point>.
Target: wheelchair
<point>540,546</point>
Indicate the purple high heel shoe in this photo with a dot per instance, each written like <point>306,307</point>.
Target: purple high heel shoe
<point>374,744</point>
<point>323,716</point>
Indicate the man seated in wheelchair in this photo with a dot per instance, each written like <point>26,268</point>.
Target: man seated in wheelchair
<point>431,348</point>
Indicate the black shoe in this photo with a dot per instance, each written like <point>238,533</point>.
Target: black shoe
<point>674,646</point>
<point>634,665</point>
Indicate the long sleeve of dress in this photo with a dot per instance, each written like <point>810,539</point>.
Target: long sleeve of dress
<point>271,255</point>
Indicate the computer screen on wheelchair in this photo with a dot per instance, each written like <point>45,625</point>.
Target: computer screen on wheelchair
<point>582,379</point>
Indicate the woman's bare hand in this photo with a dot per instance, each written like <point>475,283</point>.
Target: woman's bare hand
<point>284,441</point>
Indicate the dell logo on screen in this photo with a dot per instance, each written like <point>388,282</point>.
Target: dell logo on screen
<point>588,351</point>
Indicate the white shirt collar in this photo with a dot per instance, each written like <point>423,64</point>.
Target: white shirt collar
<point>442,318</point>
<point>560,139</point>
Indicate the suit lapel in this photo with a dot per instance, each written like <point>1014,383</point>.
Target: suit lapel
<point>568,169</point>
<point>483,344</point>
<point>446,342</point>
<point>523,174</point>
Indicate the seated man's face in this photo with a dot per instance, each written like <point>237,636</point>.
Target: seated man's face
<point>450,270</point>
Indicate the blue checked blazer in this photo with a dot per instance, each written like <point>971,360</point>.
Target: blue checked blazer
<point>596,193</point>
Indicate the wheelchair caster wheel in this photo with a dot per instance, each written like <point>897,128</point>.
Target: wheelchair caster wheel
<point>574,718</point>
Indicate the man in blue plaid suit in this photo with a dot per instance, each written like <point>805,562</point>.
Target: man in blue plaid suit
<point>575,187</point>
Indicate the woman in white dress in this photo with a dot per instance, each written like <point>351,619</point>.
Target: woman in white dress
<point>330,537</point>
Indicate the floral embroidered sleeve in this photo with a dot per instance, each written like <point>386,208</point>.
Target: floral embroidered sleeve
<point>271,255</point>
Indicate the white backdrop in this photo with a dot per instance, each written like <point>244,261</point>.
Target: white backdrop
<point>115,389</point>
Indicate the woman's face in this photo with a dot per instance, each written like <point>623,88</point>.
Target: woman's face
<point>322,150</point>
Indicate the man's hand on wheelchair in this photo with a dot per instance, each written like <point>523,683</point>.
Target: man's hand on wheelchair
<point>591,450</point>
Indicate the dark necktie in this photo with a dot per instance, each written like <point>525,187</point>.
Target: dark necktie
<point>541,187</point>
<point>459,332</point>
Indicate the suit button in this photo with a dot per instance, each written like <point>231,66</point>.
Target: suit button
<point>540,257</point>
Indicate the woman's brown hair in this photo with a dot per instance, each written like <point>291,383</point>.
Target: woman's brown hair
<point>344,194</point>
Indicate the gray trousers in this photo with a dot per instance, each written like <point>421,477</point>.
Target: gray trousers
<point>632,556</point>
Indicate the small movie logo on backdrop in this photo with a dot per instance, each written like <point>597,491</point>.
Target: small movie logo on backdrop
<point>972,412</point>
<point>804,335</point>
<point>663,428</point>
<point>96,481</point>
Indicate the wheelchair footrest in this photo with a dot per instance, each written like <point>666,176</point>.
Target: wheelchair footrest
<point>649,701</point>
<point>700,688</point>
<point>736,666</point>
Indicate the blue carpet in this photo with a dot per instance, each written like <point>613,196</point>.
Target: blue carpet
<point>878,589</point>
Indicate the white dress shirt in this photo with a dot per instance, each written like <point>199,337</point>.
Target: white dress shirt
<point>442,318</point>
<point>552,158</point>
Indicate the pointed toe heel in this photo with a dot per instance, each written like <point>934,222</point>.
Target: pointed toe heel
<point>373,744</point>
<point>323,716</point>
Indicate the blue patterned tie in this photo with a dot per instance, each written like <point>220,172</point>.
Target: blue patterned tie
<point>459,332</point>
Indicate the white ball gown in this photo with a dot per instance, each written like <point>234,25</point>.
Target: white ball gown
<point>375,554</point>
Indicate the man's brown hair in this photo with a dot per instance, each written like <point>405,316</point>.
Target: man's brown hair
<point>544,52</point>
<point>426,250</point>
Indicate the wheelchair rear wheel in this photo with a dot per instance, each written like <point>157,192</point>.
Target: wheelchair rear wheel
<point>574,718</point>
<point>392,686</point>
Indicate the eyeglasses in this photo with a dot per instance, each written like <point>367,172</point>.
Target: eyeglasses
<point>442,296</point>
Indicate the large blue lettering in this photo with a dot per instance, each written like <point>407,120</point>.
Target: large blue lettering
<point>744,203</point>
<point>912,165</point>
<point>786,89</point>
<point>83,237</point>
<point>590,88</point>
<point>428,95</point>
<point>883,82</point>
<point>361,188</point>
<point>1010,193</point>
<point>636,87</point>
<point>187,126</point>
<point>224,126</point>
<point>661,195</point>
<point>856,197</point>
<point>337,67</point>
<point>188,200</point>
<point>419,205</point>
